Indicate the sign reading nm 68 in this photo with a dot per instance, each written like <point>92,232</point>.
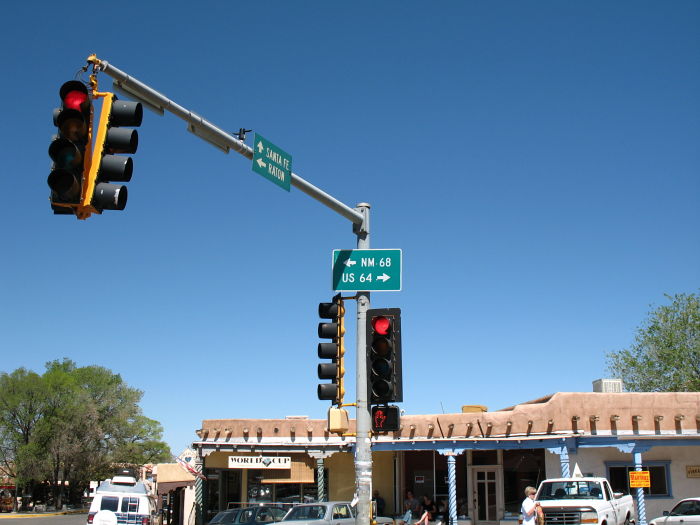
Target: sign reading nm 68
<point>367,270</point>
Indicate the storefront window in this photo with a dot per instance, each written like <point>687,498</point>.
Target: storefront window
<point>212,494</point>
<point>284,493</point>
<point>618,474</point>
<point>485,457</point>
<point>521,468</point>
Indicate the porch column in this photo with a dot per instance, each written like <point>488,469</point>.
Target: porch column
<point>452,481</point>
<point>452,485</point>
<point>564,460</point>
<point>199,517</point>
<point>321,480</point>
<point>641,506</point>
<point>563,453</point>
<point>320,456</point>
<point>636,450</point>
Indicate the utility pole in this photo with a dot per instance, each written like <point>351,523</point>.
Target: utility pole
<point>359,216</point>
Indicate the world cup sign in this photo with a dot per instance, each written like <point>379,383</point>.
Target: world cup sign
<point>260,462</point>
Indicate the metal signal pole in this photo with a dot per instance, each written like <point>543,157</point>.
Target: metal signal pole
<point>363,438</point>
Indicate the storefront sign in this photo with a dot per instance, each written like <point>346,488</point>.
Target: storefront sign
<point>692,471</point>
<point>261,462</point>
<point>640,479</point>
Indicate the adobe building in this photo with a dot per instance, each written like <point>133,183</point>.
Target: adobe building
<point>478,461</point>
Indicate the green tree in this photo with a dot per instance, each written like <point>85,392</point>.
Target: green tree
<point>665,355</point>
<point>22,406</point>
<point>73,424</point>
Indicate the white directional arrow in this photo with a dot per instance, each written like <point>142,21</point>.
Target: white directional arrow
<point>261,163</point>
<point>350,263</point>
<point>383,277</point>
<point>260,146</point>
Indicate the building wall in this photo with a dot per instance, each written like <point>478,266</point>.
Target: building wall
<point>592,461</point>
<point>383,479</point>
<point>341,473</point>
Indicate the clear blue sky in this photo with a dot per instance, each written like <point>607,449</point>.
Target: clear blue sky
<point>537,163</point>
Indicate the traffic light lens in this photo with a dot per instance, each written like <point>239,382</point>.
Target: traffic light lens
<point>382,368</point>
<point>381,347</point>
<point>381,389</point>
<point>65,154</point>
<point>74,99</point>
<point>381,325</point>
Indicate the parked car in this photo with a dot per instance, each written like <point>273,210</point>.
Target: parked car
<point>325,513</point>
<point>225,517</point>
<point>260,514</point>
<point>686,511</point>
<point>122,500</point>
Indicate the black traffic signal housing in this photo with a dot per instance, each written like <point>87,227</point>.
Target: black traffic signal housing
<point>386,418</point>
<point>384,378</point>
<point>111,140</point>
<point>335,351</point>
<point>70,150</point>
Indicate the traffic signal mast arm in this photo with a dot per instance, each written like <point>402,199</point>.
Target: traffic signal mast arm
<point>359,216</point>
<point>210,133</point>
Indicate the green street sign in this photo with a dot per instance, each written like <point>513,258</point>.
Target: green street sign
<point>271,162</point>
<point>367,270</point>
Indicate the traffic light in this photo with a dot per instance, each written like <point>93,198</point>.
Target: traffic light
<point>383,330</point>
<point>335,370</point>
<point>111,140</point>
<point>386,418</point>
<point>70,150</point>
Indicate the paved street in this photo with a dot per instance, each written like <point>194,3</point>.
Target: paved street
<point>44,519</point>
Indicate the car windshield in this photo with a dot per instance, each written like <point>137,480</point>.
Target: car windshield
<point>306,512</point>
<point>686,508</point>
<point>570,490</point>
<point>225,516</point>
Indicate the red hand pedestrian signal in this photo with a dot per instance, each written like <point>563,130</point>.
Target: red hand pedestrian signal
<point>379,418</point>
<point>386,418</point>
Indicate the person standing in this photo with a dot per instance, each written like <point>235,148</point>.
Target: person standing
<point>529,508</point>
<point>380,502</point>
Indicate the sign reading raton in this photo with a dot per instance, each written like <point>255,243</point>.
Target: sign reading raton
<point>260,462</point>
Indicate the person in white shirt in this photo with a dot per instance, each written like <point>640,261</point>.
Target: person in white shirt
<point>529,507</point>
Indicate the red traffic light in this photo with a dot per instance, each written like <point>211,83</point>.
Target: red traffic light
<point>381,325</point>
<point>74,95</point>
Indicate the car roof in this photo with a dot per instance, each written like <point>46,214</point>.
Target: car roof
<point>323,503</point>
<point>572,479</point>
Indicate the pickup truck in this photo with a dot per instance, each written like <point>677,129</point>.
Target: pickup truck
<point>326,513</point>
<point>576,501</point>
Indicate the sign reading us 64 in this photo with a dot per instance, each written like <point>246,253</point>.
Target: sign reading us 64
<point>640,479</point>
<point>367,270</point>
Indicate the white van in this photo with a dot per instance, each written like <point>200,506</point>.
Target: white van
<point>124,501</point>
